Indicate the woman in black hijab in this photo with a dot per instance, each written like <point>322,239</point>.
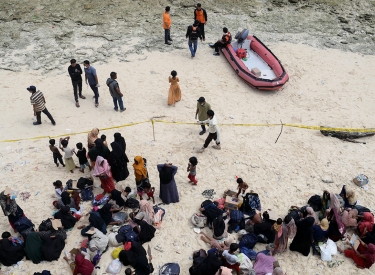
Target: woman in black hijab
<point>121,141</point>
<point>218,225</point>
<point>119,162</point>
<point>106,214</point>
<point>304,238</point>
<point>65,200</point>
<point>67,219</point>
<point>10,252</point>
<point>116,196</point>
<point>98,150</point>
<point>95,221</point>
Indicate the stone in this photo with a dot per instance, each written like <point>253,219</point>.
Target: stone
<point>350,30</point>
<point>342,20</point>
<point>293,1</point>
<point>327,179</point>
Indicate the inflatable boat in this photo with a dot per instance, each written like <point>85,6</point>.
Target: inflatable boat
<point>259,67</point>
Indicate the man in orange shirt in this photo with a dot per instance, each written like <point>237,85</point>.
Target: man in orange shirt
<point>167,22</point>
<point>201,15</point>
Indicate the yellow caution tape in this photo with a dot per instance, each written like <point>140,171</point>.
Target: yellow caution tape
<point>317,128</point>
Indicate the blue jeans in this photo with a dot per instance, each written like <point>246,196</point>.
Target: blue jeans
<point>193,45</point>
<point>119,99</point>
<point>96,92</point>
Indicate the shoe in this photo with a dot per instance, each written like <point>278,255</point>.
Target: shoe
<point>77,104</point>
<point>83,97</point>
<point>122,110</point>
<point>170,39</point>
<point>54,123</point>
<point>211,45</point>
<point>168,43</point>
<point>201,150</point>
<point>96,105</point>
<point>202,132</point>
<point>218,147</point>
<point>216,54</point>
<point>37,123</point>
<point>115,109</point>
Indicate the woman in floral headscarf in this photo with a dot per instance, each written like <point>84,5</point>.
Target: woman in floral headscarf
<point>91,137</point>
<point>102,170</point>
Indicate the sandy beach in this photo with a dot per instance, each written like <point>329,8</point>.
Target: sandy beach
<point>327,87</point>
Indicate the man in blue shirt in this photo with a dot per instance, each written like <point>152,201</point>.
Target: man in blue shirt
<point>92,79</point>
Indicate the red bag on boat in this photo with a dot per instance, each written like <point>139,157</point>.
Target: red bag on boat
<point>241,53</point>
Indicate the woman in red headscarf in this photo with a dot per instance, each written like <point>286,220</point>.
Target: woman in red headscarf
<point>364,256</point>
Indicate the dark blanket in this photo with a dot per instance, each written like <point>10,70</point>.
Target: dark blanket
<point>304,236</point>
<point>10,254</point>
<point>33,248</point>
<point>52,247</point>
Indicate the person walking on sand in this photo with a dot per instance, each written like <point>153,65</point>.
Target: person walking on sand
<point>223,42</point>
<point>92,79</point>
<point>201,15</point>
<point>75,72</point>
<point>193,33</point>
<point>174,94</point>
<point>116,94</point>
<point>38,101</point>
<point>214,131</point>
<point>201,113</point>
<point>167,22</point>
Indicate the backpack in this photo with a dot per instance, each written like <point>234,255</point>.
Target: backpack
<point>248,240</point>
<point>45,225</point>
<point>87,194</point>
<point>69,184</point>
<point>170,269</point>
<point>236,216</point>
<point>315,202</point>
<point>193,36</point>
<point>100,200</point>
<point>241,53</point>
<point>132,203</point>
<point>251,254</point>
<point>128,234</point>
<point>23,224</point>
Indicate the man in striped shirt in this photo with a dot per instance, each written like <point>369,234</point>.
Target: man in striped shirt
<point>38,101</point>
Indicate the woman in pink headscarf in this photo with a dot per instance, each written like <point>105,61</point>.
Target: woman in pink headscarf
<point>102,170</point>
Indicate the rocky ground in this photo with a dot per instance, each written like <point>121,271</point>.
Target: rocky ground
<point>42,34</point>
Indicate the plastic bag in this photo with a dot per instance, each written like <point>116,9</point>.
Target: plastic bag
<point>325,252</point>
<point>114,267</point>
<point>332,247</point>
<point>120,216</point>
<point>116,252</point>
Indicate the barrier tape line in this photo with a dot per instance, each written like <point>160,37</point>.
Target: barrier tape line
<point>317,128</point>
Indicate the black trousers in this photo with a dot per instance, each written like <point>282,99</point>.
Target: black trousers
<point>218,45</point>
<point>57,157</point>
<point>201,27</point>
<point>203,127</point>
<point>167,35</point>
<point>77,87</point>
<point>210,137</point>
<point>45,111</point>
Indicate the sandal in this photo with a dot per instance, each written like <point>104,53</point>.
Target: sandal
<point>97,105</point>
<point>77,104</point>
<point>83,97</point>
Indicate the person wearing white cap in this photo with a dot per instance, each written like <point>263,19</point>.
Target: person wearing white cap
<point>38,101</point>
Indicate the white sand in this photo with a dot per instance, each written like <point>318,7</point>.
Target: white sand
<point>326,87</point>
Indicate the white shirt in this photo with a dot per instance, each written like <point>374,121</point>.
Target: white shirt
<point>231,259</point>
<point>212,126</point>
<point>68,152</point>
